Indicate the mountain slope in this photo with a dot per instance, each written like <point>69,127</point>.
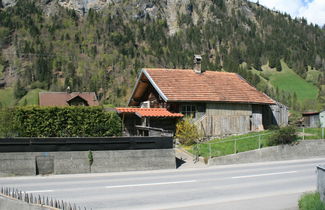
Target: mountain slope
<point>55,44</point>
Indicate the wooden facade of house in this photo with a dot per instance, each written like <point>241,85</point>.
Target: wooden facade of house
<point>220,103</point>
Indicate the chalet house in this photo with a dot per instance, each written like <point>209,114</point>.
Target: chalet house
<point>68,99</point>
<point>220,103</point>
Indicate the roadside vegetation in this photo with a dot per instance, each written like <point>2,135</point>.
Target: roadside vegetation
<point>32,121</point>
<point>311,201</point>
<point>186,132</point>
<point>254,140</point>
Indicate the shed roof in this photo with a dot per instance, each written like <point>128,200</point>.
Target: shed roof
<point>62,98</point>
<point>184,85</point>
<point>149,112</point>
<point>310,113</point>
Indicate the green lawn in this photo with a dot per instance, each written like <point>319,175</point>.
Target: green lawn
<point>7,98</point>
<point>31,98</point>
<point>246,142</point>
<point>311,133</point>
<point>232,144</point>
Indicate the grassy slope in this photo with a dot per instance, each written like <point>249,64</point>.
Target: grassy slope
<point>313,75</point>
<point>289,81</point>
<point>31,98</point>
<point>7,97</point>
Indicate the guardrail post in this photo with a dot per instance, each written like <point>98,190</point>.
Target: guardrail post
<point>235,146</point>
<point>322,133</point>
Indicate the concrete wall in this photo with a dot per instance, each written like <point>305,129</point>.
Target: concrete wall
<point>32,163</point>
<point>303,149</point>
<point>321,181</point>
<point>7,203</point>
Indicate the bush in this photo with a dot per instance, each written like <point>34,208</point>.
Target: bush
<point>285,135</point>
<point>65,122</point>
<point>6,122</point>
<point>186,132</point>
<point>311,201</point>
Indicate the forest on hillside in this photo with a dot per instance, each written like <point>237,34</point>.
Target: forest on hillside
<point>104,50</point>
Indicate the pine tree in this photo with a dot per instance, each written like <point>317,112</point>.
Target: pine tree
<point>278,65</point>
<point>19,90</point>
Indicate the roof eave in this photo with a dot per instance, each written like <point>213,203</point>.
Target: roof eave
<point>135,87</point>
<point>143,71</point>
<point>208,101</point>
<point>163,96</point>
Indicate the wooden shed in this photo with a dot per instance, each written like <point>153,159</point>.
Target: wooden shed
<point>311,119</point>
<point>148,121</point>
<point>276,114</point>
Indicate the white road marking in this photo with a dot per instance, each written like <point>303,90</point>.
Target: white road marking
<point>149,184</point>
<point>270,174</point>
<point>39,191</point>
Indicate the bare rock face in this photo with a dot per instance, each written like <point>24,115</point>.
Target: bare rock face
<point>8,3</point>
<point>82,6</point>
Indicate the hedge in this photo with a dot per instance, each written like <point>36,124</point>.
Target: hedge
<point>63,122</point>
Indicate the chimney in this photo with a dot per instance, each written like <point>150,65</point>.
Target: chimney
<point>197,64</point>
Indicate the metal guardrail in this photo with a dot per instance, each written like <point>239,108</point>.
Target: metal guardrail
<point>39,200</point>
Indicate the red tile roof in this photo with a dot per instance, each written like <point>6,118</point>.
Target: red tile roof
<point>149,112</point>
<point>62,98</point>
<point>186,85</point>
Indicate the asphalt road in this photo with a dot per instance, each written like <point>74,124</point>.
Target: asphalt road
<point>272,185</point>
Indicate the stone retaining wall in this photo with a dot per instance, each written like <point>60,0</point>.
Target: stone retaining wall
<point>73,162</point>
<point>300,150</point>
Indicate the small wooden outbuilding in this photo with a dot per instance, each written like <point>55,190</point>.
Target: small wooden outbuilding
<point>148,121</point>
<point>311,119</point>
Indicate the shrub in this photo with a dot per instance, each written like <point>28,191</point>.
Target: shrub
<point>311,201</point>
<point>186,132</point>
<point>65,122</point>
<point>6,122</point>
<point>285,135</point>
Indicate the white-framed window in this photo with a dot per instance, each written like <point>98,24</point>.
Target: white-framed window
<point>189,110</point>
